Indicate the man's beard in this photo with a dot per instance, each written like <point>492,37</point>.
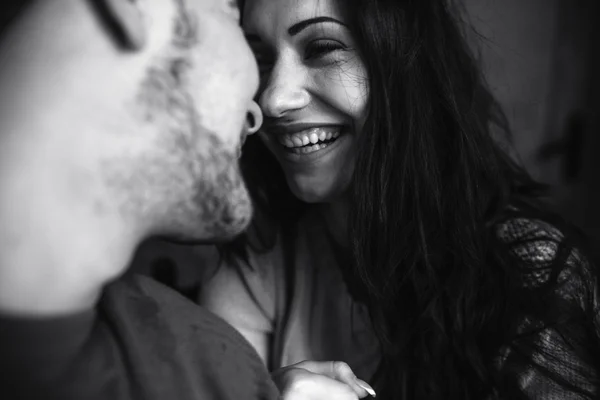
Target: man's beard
<point>222,201</point>
<point>193,176</point>
<point>208,195</point>
<point>193,180</point>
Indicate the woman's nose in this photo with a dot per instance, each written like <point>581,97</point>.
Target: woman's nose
<point>254,118</point>
<point>284,92</point>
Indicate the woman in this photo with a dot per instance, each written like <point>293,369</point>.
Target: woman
<point>392,232</point>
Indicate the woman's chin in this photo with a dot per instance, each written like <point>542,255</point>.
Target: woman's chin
<point>314,194</point>
<point>310,198</point>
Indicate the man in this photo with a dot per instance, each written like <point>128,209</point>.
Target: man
<point>119,120</point>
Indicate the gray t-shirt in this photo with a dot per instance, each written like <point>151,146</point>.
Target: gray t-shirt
<point>143,341</point>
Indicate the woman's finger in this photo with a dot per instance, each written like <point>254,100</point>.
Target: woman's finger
<point>367,387</point>
<point>301,384</point>
<point>339,371</point>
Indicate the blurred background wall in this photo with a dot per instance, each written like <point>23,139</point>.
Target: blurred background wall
<point>541,60</point>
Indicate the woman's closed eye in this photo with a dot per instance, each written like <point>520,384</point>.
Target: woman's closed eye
<point>319,49</point>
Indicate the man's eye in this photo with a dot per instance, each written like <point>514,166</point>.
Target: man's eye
<point>320,48</point>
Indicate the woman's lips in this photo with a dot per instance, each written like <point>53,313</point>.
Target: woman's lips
<point>309,137</point>
<point>320,141</point>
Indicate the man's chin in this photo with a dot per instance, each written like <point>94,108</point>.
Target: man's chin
<point>190,241</point>
<point>196,240</point>
<point>221,226</point>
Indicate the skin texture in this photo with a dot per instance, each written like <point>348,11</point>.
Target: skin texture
<point>315,76</point>
<point>107,139</point>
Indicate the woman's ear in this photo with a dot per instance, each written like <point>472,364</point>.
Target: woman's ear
<point>126,19</point>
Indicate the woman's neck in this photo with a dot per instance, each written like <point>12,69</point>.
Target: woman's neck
<point>336,215</point>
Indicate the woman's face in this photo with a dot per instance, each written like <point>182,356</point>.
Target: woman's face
<point>313,92</point>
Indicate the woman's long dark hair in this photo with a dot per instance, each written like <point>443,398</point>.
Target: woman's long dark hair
<point>430,184</point>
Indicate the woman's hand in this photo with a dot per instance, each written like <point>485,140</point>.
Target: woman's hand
<point>320,380</point>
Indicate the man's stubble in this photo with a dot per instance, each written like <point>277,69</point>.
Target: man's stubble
<point>189,182</point>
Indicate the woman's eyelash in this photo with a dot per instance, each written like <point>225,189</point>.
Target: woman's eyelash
<point>315,49</point>
<point>322,47</point>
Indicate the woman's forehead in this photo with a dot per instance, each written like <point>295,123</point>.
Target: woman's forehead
<point>257,13</point>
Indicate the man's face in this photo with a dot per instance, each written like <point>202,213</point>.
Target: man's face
<point>196,95</point>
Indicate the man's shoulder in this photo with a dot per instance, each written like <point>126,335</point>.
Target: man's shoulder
<point>142,302</point>
<point>169,337</point>
<point>142,341</point>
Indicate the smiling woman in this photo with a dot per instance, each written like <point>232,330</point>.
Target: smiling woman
<point>392,232</point>
<point>314,93</point>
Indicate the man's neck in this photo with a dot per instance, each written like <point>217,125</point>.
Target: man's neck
<point>62,236</point>
<point>59,241</point>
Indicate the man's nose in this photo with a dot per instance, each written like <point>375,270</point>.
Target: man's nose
<point>285,91</point>
<point>254,118</point>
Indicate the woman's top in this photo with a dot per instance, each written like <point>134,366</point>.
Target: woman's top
<point>296,297</point>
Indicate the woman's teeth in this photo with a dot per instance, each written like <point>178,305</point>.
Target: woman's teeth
<point>310,140</point>
<point>309,149</point>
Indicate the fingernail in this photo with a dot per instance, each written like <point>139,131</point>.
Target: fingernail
<point>366,386</point>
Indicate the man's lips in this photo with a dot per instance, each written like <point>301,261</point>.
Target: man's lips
<point>243,137</point>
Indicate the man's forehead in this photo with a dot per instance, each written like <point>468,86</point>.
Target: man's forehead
<point>229,7</point>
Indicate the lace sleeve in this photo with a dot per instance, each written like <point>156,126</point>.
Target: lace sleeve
<point>556,352</point>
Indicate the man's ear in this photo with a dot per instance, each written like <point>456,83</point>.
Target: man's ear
<point>125,19</point>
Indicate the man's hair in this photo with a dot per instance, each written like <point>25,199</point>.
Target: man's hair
<point>12,8</point>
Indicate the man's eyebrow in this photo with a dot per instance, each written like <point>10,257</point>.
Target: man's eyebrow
<point>300,26</point>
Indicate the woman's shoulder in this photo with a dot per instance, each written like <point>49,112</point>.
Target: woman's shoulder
<point>535,242</point>
<point>548,254</point>
<point>555,351</point>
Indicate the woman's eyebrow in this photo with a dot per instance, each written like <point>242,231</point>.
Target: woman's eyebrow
<point>300,26</point>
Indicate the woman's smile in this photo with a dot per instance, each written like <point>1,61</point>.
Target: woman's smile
<point>309,140</point>
<point>313,92</point>
<point>308,144</point>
